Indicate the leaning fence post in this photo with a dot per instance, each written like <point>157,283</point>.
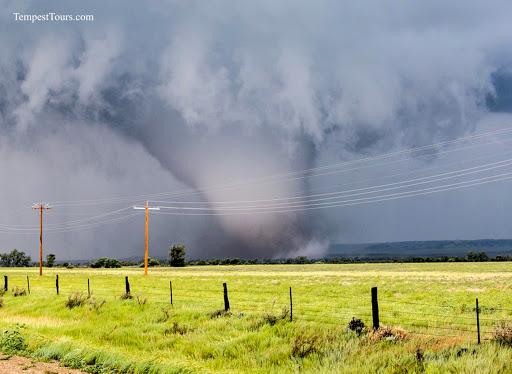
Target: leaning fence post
<point>88,288</point>
<point>170,287</point>
<point>28,285</point>
<point>291,306</point>
<point>6,287</point>
<point>226,300</point>
<point>375,308</point>
<point>478,320</point>
<point>127,284</point>
<point>57,283</point>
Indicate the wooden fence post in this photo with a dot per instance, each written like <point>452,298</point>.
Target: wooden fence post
<point>88,288</point>
<point>28,285</point>
<point>291,306</point>
<point>6,286</point>
<point>478,320</point>
<point>375,308</point>
<point>57,283</point>
<point>226,300</point>
<point>170,287</point>
<point>127,284</point>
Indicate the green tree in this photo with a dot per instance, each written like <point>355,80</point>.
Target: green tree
<point>112,263</point>
<point>472,256</point>
<point>15,258</point>
<point>50,260</point>
<point>177,255</point>
<point>153,262</point>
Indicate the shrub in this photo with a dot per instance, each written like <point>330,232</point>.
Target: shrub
<point>177,329</point>
<point>17,291</point>
<point>356,325</point>
<point>220,313</point>
<point>503,333</point>
<point>106,263</point>
<point>305,345</point>
<point>126,296</point>
<point>12,341</point>
<point>95,305</point>
<point>153,262</point>
<point>271,319</point>
<point>388,333</point>
<point>141,300</point>
<point>78,299</point>
<point>165,316</point>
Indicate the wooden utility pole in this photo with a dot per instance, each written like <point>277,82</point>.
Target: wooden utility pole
<point>148,208</point>
<point>146,250</point>
<point>41,207</point>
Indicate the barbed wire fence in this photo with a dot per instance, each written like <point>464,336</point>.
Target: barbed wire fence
<point>474,323</point>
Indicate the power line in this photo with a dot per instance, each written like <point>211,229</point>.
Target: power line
<point>395,196</point>
<point>278,176</point>
<point>335,195</point>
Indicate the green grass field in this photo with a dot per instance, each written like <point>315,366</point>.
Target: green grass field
<point>433,303</point>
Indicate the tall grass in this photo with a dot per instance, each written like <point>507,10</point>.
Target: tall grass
<point>151,336</point>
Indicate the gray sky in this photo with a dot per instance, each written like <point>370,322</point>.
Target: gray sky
<point>163,96</point>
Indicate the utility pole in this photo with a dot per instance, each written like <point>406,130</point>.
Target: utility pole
<point>41,207</point>
<point>148,208</point>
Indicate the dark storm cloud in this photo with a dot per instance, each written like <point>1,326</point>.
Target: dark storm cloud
<point>208,92</point>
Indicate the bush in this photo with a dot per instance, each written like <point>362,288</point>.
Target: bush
<point>18,292</point>
<point>12,341</point>
<point>356,325</point>
<point>126,296</point>
<point>305,345</point>
<point>95,305</point>
<point>165,316</point>
<point>106,263</point>
<point>78,299</point>
<point>271,319</point>
<point>177,329</point>
<point>388,333</point>
<point>153,262</point>
<point>141,300</point>
<point>220,313</point>
<point>503,333</point>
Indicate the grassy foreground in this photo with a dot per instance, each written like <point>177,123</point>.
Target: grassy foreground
<point>433,304</point>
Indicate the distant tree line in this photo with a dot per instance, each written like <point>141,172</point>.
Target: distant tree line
<point>177,259</point>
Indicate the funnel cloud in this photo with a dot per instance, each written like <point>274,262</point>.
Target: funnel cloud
<point>163,96</point>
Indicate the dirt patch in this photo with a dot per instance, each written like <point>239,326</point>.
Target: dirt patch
<point>22,365</point>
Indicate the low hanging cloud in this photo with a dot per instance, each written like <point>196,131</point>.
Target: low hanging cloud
<point>224,91</point>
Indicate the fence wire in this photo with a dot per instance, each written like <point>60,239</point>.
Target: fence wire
<point>420,319</point>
